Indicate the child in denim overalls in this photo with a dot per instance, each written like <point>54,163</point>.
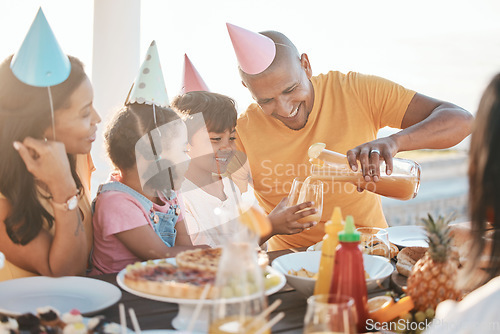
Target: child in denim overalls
<point>137,216</point>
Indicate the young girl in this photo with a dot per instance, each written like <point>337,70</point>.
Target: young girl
<point>212,146</point>
<point>137,214</point>
<point>45,218</point>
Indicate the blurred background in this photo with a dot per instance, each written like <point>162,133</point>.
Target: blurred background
<point>447,49</point>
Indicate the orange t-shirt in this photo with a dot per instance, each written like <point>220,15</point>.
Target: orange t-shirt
<point>348,110</point>
<point>84,169</point>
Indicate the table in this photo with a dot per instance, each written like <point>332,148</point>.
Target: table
<point>159,315</point>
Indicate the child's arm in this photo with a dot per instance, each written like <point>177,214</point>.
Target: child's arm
<point>143,242</point>
<point>120,215</point>
<point>284,220</point>
<point>182,238</point>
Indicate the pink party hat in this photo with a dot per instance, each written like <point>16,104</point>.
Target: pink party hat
<point>255,52</point>
<point>192,80</point>
<point>149,86</point>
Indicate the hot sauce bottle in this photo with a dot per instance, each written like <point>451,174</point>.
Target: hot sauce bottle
<point>349,274</point>
<point>327,262</point>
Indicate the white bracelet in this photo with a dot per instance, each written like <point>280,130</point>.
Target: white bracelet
<point>70,204</point>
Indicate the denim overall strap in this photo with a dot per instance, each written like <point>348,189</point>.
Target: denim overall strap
<point>172,196</point>
<point>164,226</point>
<point>117,186</point>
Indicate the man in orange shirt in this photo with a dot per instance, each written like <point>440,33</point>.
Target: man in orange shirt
<point>295,109</point>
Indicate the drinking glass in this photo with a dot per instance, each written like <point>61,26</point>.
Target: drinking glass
<point>2,259</point>
<point>330,314</point>
<point>375,241</point>
<point>305,191</point>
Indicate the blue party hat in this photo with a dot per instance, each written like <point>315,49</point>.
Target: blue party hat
<point>40,61</point>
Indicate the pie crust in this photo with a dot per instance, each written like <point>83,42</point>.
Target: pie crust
<point>166,280</point>
<point>204,260</point>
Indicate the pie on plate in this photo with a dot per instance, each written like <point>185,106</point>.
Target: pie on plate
<point>167,280</point>
<point>193,270</point>
<point>206,259</point>
<point>186,276</point>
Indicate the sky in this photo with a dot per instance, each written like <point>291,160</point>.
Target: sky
<point>447,49</point>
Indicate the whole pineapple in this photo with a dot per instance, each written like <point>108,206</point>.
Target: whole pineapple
<point>432,279</point>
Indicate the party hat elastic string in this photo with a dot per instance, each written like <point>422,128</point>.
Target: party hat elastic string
<point>170,176</point>
<point>156,124</point>
<point>52,114</point>
<point>155,152</point>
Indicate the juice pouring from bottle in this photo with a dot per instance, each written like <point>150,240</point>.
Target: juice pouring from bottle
<point>402,184</point>
<point>348,273</point>
<point>327,262</point>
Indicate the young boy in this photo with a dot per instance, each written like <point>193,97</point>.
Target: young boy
<point>211,122</point>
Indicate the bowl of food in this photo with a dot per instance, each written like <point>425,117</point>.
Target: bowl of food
<point>301,270</point>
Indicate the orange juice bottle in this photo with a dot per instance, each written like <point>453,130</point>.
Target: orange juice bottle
<point>327,262</point>
<point>402,183</point>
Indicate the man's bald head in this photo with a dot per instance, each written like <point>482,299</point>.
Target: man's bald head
<point>286,52</point>
<point>283,90</point>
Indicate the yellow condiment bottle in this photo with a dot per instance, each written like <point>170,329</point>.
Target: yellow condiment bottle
<point>330,242</point>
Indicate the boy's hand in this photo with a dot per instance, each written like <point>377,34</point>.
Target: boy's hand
<point>284,219</point>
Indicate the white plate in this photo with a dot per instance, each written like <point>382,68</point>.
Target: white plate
<point>88,295</point>
<point>407,236</point>
<point>186,306</point>
<point>379,268</point>
<point>121,283</point>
